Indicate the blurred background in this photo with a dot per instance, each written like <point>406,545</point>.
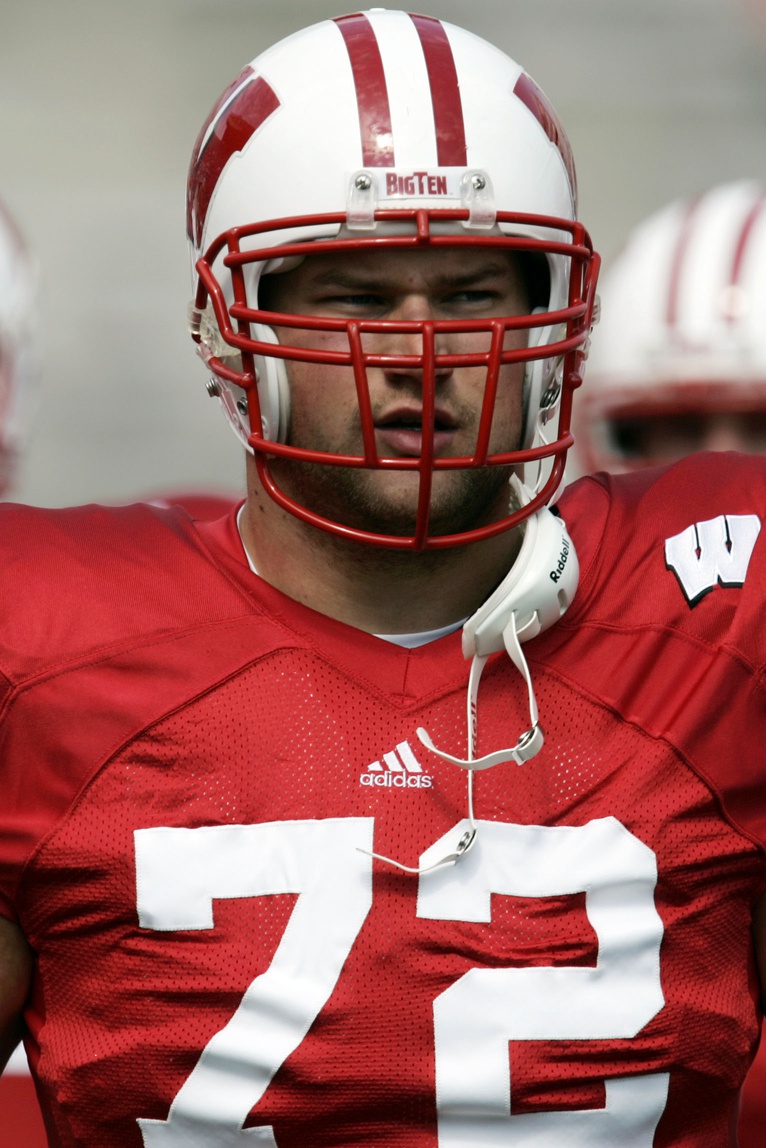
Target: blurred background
<point>100,104</point>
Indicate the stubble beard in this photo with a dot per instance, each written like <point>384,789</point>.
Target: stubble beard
<point>384,501</point>
<point>364,499</point>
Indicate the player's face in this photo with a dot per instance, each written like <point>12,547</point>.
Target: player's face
<point>669,437</point>
<point>440,283</point>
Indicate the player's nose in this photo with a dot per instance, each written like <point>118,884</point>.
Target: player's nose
<point>415,343</point>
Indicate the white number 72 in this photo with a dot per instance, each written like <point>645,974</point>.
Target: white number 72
<point>180,872</point>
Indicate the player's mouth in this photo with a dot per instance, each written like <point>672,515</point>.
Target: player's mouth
<point>400,431</point>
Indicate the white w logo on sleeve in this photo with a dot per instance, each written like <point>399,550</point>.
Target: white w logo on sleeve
<point>712,553</point>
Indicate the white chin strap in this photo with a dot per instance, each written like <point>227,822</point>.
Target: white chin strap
<point>533,596</point>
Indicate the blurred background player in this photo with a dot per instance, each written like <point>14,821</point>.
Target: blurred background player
<point>18,358</point>
<point>678,361</point>
<point>20,1121</point>
<point>678,364</point>
<point>22,1125</point>
<point>20,371</point>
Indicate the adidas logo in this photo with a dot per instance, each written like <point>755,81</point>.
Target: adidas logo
<point>399,769</point>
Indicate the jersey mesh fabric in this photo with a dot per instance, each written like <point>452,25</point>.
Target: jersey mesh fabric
<point>126,1011</point>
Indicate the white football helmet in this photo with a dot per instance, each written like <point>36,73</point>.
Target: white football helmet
<point>18,359</point>
<point>682,333</point>
<point>385,128</point>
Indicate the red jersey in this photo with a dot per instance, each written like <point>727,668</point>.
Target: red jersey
<point>195,770</point>
<point>197,504</point>
<point>21,1120</point>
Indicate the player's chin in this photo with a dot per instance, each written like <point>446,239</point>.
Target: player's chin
<point>464,500</point>
<point>387,502</point>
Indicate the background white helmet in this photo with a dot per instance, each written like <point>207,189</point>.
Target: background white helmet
<point>384,127</point>
<point>682,333</point>
<point>18,359</point>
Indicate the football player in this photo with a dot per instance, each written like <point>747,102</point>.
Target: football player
<point>678,362</point>
<point>351,818</point>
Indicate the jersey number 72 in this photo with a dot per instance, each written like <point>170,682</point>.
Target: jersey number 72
<point>180,872</point>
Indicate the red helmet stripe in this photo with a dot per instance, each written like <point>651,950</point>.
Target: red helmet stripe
<point>676,267</point>
<point>451,149</point>
<point>371,90</point>
<point>744,238</point>
<point>544,112</point>
<point>242,109</point>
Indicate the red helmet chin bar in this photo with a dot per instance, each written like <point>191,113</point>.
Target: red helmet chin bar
<point>235,319</point>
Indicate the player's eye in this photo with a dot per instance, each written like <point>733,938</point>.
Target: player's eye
<point>475,295</point>
<point>361,300</point>
<point>352,301</point>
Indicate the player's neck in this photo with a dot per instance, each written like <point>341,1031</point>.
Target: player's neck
<point>377,590</point>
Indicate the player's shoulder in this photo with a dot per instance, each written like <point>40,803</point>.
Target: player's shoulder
<point>680,547</point>
<point>707,483</point>
<point>86,577</point>
<point>50,544</point>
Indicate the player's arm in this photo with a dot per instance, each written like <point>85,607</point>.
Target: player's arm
<point>15,973</point>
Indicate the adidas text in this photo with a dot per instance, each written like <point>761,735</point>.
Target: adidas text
<point>397,780</point>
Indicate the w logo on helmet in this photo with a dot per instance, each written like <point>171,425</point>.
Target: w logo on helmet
<point>533,98</point>
<point>242,109</point>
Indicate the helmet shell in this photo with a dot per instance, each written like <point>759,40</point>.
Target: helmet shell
<point>344,131</point>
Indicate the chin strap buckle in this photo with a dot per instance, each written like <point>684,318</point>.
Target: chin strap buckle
<point>531,741</point>
<point>529,744</point>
